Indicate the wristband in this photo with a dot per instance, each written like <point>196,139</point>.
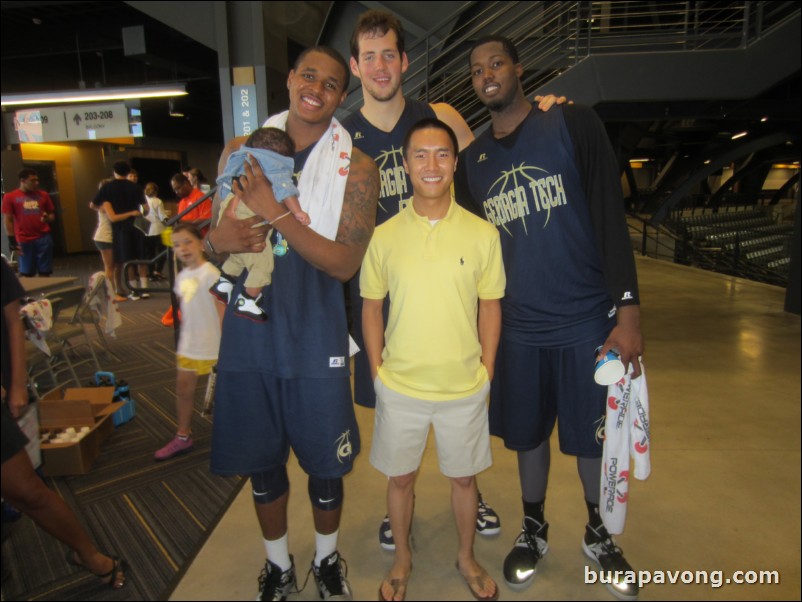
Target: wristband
<point>283,215</point>
<point>209,245</point>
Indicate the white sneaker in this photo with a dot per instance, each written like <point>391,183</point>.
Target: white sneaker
<point>250,308</point>
<point>222,289</point>
<point>487,521</point>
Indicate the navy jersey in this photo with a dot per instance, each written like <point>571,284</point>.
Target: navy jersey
<point>305,335</point>
<point>529,185</point>
<point>385,148</point>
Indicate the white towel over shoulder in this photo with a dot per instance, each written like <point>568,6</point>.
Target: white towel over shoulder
<point>323,180</point>
<point>626,436</point>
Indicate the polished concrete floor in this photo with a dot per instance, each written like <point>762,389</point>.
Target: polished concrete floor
<point>723,365</point>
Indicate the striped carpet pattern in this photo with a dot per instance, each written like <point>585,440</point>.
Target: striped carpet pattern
<point>156,515</point>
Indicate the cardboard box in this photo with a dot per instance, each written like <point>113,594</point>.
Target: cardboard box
<point>78,407</point>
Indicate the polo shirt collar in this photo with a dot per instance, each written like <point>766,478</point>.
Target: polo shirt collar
<point>450,216</point>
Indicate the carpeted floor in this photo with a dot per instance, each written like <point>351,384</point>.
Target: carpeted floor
<point>155,515</point>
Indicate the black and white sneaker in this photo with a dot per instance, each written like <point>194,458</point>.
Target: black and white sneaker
<point>275,584</point>
<point>250,308</point>
<point>617,575</point>
<point>222,288</point>
<point>530,546</point>
<point>330,578</point>
<point>487,521</point>
<point>386,540</point>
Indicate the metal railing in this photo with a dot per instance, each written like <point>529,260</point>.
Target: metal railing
<point>743,242</point>
<point>551,37</point>
<point>654,241</point>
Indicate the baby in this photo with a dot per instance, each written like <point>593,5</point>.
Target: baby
<point>274,151</point>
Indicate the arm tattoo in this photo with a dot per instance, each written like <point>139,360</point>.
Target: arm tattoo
<point>358,217</point>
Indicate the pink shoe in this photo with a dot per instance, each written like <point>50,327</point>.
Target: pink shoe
<point>175,447</point>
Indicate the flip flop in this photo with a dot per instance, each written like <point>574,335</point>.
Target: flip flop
<point>396,583</point>
<point>115,578</point>
<point>477,582</point>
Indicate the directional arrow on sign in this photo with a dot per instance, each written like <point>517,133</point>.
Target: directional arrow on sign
<point>77,119</point>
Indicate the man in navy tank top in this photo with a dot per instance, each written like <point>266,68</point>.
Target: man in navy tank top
<point>286,382</point>
<point>549,182</point>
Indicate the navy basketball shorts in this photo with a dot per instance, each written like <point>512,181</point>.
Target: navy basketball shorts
<point>535,387</point>
<point>128,245</point>
<point>258,417</point>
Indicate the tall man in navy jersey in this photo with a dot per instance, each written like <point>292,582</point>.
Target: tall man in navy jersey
<point>549,182</point>
<point>285,382</point>
<point>378,128</point>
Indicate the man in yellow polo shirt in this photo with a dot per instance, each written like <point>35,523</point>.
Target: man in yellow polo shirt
<point>443,270</point>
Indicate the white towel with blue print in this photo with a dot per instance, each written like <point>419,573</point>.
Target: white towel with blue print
<point>626,440</point>
<point>322,182</point>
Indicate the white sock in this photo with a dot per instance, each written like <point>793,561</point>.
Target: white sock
<point>278,552</point>
<point>325,545</point>
<point>143,282</point>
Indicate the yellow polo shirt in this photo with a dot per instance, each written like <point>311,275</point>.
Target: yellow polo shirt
<point>435,276</point>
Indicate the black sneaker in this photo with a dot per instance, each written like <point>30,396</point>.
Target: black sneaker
<point>617,575</point>
<point>275,585</point>
<point>330,578</point>
<point>530,546</point>
<point>386,540</point>
<point>487,521</point>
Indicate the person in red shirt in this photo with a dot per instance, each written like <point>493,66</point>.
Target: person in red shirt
<point>29,213</point>
<point>188,195</point>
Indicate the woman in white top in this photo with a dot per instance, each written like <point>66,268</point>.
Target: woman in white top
<point>103,238</point>
<point>156,216</point>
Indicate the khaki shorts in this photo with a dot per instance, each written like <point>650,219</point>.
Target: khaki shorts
<point>401,427</point>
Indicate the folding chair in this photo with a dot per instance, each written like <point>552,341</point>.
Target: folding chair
<point>55,364</point>
<point>66,329</point>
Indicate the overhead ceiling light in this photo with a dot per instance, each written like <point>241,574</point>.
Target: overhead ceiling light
<point>95,95</point>
<point>739,135</point>
<point>764,119</point>
<point>643,160</point>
